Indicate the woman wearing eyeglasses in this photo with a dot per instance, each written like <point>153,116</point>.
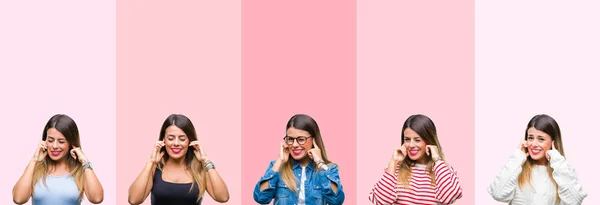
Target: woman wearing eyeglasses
<point>308,177</point>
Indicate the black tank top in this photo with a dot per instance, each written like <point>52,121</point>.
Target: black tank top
<point>167,193</point>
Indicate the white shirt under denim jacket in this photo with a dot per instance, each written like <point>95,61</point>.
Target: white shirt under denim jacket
<point>541,190</point>
<point>317,186</point>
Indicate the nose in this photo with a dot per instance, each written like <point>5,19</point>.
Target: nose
<point>296,143</point>
<point>55,144</point>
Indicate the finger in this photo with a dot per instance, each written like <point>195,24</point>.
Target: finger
<point>314,144</point>
<point>202,152</point>
<point>427,148</point>
<point>73,154</point>
<point>553,147</point>
<point>161,155</point>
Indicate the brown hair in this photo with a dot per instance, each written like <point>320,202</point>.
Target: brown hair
<point>67,127</point>
<point>549,126</point>
<point>308,124</point>
<point>195,166</point>
<point>425,127</point>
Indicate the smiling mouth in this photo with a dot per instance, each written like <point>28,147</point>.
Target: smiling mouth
<point>55,153</point>
<point>413,152</point>
<point>176,150</point>
<point>297,152</point>
<point>535,151</point>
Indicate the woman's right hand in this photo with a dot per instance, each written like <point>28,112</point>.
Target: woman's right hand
<point>523,147</point>
<point>157,155</point>
<point>40,152</point>
<point>284,153</point>
<point>399,155</point>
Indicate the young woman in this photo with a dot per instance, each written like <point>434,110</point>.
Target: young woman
<point>537,172</point>
<point>421,178</point>
<point>307,177</point>
<point>59,172</point>
<point>180,176</point>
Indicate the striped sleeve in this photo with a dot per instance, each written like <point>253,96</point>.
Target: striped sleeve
<point>384,191</point>
<point>448,189</point>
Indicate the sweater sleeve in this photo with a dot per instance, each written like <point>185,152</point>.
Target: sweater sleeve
<point>384,192</point>
<point>504,185</point>
<point>448,189</point>
<point>570,189</point>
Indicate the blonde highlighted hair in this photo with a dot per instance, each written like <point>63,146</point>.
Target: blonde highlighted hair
<point>425,128</point>
<point>67,127</point>
<point>308,124</point>
<point>549,126</point>
<point>195,166</point>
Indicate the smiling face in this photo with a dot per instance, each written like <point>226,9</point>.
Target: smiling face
<point>538,143</point>
<point>415,146</point>
<point>176,142</point>
<point>58,146</point>
<point>297,150</point>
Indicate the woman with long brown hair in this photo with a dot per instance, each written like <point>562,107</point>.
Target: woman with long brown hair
<point>59,172</point>
<point>423,177</point>
<point>307,177</point>
<point>181,176</point>
<point>537,172</point>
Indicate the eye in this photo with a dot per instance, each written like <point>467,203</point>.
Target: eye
<point>529,138</point>
<point>182,139</point>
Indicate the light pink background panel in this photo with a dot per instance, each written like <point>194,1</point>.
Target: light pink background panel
<point>57,57</point>
<point>179,57</point>
<point>536,57</point>
<point>414,57</point>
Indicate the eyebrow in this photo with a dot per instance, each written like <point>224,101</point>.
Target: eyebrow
<point>172,135</point>
<point>296,137</point>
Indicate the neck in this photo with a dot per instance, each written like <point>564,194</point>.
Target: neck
<point>422,160</point>
<point>59,165</point>
<point>541,162</point>
<point>304,161</point>
<point>176,162</point>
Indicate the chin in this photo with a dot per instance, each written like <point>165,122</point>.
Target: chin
<point>176,156</point>
<point>537,157</point>
<point>414,158</point>
<point>299,157</point>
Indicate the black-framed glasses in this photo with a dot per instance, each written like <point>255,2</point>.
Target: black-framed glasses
<point>290,140</point>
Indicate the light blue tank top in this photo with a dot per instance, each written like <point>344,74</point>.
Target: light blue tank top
<point>58,190</point>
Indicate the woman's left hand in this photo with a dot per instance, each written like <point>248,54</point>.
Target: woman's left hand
<point>77,154</point>
<point>315,152</point>
<point>198,151</point>
<point>432,151</point>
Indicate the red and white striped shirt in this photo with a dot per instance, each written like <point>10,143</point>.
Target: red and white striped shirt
<point>420,191</point>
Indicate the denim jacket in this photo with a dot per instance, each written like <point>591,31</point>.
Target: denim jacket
<point>317,187</point>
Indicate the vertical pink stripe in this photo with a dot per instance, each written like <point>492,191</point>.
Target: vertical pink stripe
<point>414,57</point>
<point>179,57</point>
<point>298,57</point>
